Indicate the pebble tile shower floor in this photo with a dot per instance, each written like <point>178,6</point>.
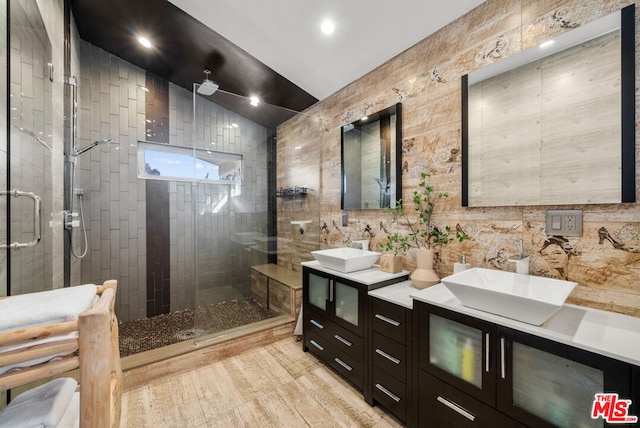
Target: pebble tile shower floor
<point>166,329</point>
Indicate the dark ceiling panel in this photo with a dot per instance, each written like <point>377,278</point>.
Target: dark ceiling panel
<point>183,48</point>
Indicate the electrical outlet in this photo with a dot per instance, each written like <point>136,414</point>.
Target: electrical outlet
<point>564,222</point>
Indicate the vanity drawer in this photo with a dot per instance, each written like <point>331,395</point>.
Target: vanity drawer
<point>444,406</point>
<point>349,368</point>
<point>389,356</point>
<point>345,364</point>
<point>317,324</point>
<point>318,345</point>
<point>390,320</point>
<point>342,339</point>
<point>391,393</point>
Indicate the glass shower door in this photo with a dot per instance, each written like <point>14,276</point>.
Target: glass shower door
<point>3,150</point>
<point>27,196</point>
<point>229,211</point>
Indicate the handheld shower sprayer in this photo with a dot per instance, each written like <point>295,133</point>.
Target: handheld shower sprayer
<point>69,222</point>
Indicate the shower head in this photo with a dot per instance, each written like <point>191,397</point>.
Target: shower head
<point>208,87</point>
<point>92,145</point>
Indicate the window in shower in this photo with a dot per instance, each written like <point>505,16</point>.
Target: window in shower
<point>164,162</point>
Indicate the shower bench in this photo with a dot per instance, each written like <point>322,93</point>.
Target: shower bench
<point>277,288</point>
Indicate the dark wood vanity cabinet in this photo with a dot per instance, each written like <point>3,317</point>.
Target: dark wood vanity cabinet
<point>335,323</point>
<point>436,366</point>
<point>391,350</point>
<point>475,373</point>
<point>547,383</point>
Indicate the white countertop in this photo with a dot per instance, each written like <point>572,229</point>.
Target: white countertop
<point>370,276</point>
<point>605,333</point>
<point>398,293</point>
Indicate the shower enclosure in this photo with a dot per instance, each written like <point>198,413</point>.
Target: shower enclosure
<point>80,212</point>
<point>174,205</point>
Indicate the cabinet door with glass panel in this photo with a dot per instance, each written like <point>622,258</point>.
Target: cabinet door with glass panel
<point>547,383</point>
<point>459,350</point>
<point>336,299</point>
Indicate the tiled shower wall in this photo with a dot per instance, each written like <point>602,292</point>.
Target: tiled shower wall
<point>605,261</point>
<point>112,105</point>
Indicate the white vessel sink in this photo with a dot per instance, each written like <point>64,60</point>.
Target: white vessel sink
<point>346,259</point>
<point>526,298</point>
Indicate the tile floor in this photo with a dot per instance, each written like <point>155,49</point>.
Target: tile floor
<point>277,385</point>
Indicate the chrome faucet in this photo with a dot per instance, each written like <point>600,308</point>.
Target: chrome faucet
<point>362,244</point>
<point>521,261</point>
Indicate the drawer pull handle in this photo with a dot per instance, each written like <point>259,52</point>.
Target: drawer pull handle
<point>388,320</point>
<point>343,364</point>
<point>387,356</point>
<point>391,395</point>
<point>503,365</point>
<point>317,324</point>
<point>486,352</point>
<point>317,345</point>
<point>453,406</point>
<point>343,340</point>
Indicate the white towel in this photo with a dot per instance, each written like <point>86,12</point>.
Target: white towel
<point>4,369</point>
<point>45,307</point>
<point>298,330</point>
<point>43,406</point>
<point>71,418</point>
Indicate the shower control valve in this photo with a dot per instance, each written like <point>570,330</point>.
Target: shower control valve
<point>71,220</point>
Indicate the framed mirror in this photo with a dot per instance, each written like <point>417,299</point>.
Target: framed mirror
<point>555,123</point>
<point>371,151</point>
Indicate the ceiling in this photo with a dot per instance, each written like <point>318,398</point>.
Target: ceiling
<point>270,49</point>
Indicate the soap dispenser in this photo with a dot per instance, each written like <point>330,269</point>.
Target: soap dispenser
<point>468,361</point>
<point>462,265</point>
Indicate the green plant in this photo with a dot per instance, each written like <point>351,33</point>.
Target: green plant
<point>395,244</point>
<point>422,234</point>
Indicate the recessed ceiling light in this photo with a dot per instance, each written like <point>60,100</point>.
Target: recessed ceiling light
<point>235,125</point>
<point>144,42</point>
<point>364,118</point>
<point>254,101</point>
<point>327,27</point>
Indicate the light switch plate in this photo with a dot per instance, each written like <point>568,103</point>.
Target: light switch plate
<point>564,222</point>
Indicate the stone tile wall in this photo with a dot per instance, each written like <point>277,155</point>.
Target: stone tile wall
<point>605,261</point>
